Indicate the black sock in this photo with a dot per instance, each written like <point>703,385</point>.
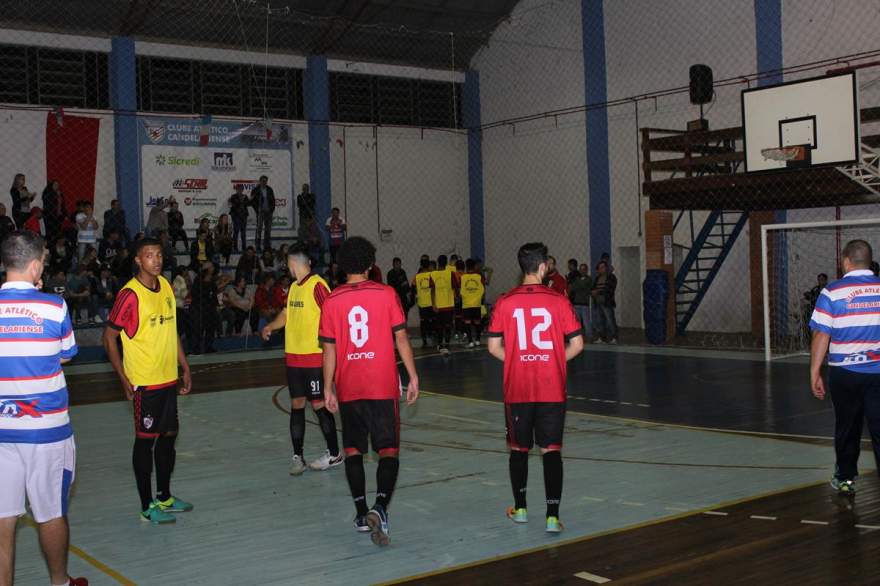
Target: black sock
<point>142,461</point>
<point>328,428</point>
<point>357,482</point>
<point>298,430</point>
<point>471,333</point>
<point>479,328</point>
<point>519,477</point>
<point>553,481</point>
<point>386,478</point>
<point>164,454</point>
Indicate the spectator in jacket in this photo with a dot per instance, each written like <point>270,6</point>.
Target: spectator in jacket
<point>114,219</point>
<point>7,225</point>
<point>223,237</point>
<point>109,247</point>
<point>398,280</point>
<point>54,210</point>
<point>553,279</point>
<point>263,202</point>
<point>175,227</point>
<point>181,286</point>
<point>105,292</point>
<point>604,286</point>
<point>157,219</point>
<point>22,198</point>
<point>247,266</point>
<point>238,211</point>
<point>35,222</point>
<point>238,308</point>
<point>203,312</point>
<point>263,298</point>
<point>580,292</point>
<point>201,251</point>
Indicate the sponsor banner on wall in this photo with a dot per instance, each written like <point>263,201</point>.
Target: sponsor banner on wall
<point>201,179</point>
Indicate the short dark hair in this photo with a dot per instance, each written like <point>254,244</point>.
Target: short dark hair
<point>267,277</point>
<point>822,275</point>
<point>143,243</point>
<point>356,255</point>
<point>266,177</point>
<point>20,248</point>
<point>424,263</point>
<point>298,249</point>
<point>442,261</point>
<point>470,264</point>
<point>859,253</point>
<point>530,257</point>
<point>335,210</point>
<point>551,257</point>
<point>396,259</point>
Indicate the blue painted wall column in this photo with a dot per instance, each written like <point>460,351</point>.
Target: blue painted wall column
<point>123,99</point>
<point>596,92</point>
<point>470,110</point>
<point>316,102</point>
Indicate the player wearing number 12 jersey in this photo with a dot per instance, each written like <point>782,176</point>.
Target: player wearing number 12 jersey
<point>360,323</point>
<point>535,332</point>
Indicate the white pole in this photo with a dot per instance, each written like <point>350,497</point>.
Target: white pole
<point>766,291</point>
<point>827,224</point>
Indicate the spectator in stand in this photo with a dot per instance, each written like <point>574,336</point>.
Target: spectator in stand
<point>169,258</point>
<point>201,251</point>
<point>7,225</point>
<point>604,286</point>
<point>247,266</point>
<point>21,200</point>
<point>263,202</point>
<point>90,261</point>
<point>267,262</point>
<point>306,205</point>
<point>87,229</point>
<point>158,218</point>
<point>337,231</point>
<point>57,284</point>
<point>573,272</point>
<point>121,266</point>
<point>238,209</point>
<point>263,299</point>
<point>105,292</point>
<point>54,210</point>
<point>334,276</point>
<point>279,292</point>
<point>238,307</point>
<point>181,286</point>
<point>175,226</point>
<point>281,255</point>
<point>579,291</point>
<point>223,237</point>
<point>114,219</point>
<point>375,274</point>
<point>203,312</point>
<point>79,295</point>
<point>398,280</point>
<point>553,279</point>
<point>109,247</point>
<point>35,223</point>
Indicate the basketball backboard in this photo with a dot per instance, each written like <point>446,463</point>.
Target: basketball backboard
<point>820,114</point>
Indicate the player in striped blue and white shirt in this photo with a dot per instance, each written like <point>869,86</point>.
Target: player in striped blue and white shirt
<point>846,327</point>
<point>37,452</point>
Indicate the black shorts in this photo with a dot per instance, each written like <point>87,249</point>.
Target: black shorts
<point>426,314</point>
<point>305,382</point>
<point>155,411</point>
<point>443,318</point>
<point>472,314</point>
<point>534,423</point>
<point>378,419</point>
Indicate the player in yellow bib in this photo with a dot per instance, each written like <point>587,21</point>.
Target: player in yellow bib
<point>472,291</point>
<point>443,285</point>
<point>144,318</point>
<point>304,355</point>
<point>424,299</point>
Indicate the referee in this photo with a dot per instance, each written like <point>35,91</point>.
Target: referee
<point>37,452</point>
<point>847,318</point>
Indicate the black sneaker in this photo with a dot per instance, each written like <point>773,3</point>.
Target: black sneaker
<point>361,525</point>
<point>377,519</point>
<point>843,486</point>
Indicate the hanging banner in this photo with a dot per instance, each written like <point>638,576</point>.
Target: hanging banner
<point>199,165</point>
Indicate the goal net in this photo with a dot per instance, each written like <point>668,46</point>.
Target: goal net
<point>793,258</point>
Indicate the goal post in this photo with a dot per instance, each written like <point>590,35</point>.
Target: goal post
<point>792,256</point>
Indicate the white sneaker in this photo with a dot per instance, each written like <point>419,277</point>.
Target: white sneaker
<point>613,341</point>
<point>297,466</point>
<point>471,345</point>
<point>598,341</point>
<point>477,343</point>
<point>98,319</point>
<point>326,461</point>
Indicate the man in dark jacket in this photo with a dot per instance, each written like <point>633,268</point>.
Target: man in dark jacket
<point>114,219</point>
<point>175,226</point>
<point>580,286</point>
<point>604,286</point>
<point>263,202</point>
<point>238,212</point>
<point>7,226</point>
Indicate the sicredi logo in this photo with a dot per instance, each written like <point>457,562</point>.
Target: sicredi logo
<point>223,161</point>
<point>175,161</point>
<point>360,355</point>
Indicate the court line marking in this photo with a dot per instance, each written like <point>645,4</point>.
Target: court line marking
<point>93,561</point>
<point>809,522</point>
<point>715,513</point>
<point>867,526</point>
<point>762,517</point>
<point>592,578</point>
<point>464,419</point>
<point>632,504</point>
<point>585,538</point>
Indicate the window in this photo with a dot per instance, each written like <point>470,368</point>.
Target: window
<point>53,77</point>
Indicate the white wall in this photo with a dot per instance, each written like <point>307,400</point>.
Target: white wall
<point>534,174</point>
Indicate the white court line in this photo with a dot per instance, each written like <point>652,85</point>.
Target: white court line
<point>596,400</point>
<point>808,522</point>
<point>867,526</point>
<point>626,403</point>
<point>593,498</point>
<point>608,401</point>
<point>632,504</point>
<point>591,578</point>
<point>715,513</point>
<point>464,419</point>
<point>642,405</point>
<point>762,518</point>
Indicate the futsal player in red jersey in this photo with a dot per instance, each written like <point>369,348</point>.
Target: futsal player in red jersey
<point>360,323</point>
<point>535,332</point>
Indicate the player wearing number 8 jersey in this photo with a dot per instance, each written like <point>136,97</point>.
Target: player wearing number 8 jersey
<point>360,323</point>
<point>535,332</point>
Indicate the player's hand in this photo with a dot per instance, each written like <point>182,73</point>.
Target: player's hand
<point>331,402</point>
<point>186,387</point>
<point>817,385</point>
<point>127,388</point>
<point>412,391</point>
<point>266,333</point>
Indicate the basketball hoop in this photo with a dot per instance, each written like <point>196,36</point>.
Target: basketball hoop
<point>790,153</point>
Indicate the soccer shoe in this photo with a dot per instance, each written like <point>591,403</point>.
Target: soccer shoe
<point>843,486</point>
<point>554,525</point>
<point>377,519</point>
<point>326,461</point>
<point>361,525</point>
<point>297,466</point>
<point>156,515</point>
<point>175,505</point>
<point>517,515</point>
<point>78,582</point>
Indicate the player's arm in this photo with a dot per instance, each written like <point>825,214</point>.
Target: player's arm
<point>184,364</point>
<point>574,346</point>
<point>406,355</point>
<point>111,335</point>
<point>818,350</point>
<point>496,347</point>
<point>124,315</point>
<point>276,324</point>
<point>329,368</point>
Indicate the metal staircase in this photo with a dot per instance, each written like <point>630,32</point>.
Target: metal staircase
<point>867,171</point>
<point>705,257</point>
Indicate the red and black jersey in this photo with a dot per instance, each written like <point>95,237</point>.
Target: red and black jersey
<point>535,323</point>
<point>360,319</point>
